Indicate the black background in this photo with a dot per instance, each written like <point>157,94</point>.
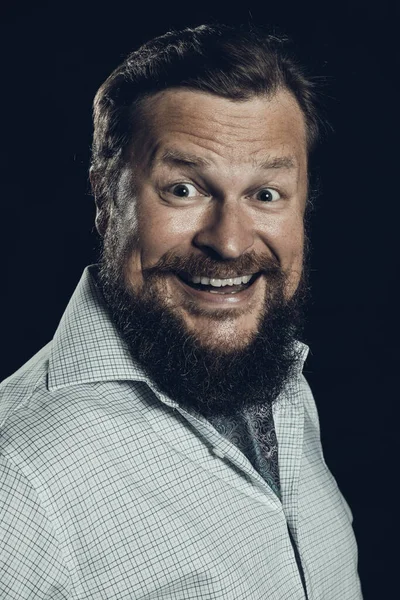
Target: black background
<point>54,57</point>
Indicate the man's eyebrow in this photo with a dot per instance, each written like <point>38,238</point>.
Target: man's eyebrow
<point>177,158</point>
<point>276,162</point>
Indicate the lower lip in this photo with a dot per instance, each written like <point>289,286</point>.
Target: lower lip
<point>218,299</point>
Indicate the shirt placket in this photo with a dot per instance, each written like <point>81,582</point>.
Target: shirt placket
<point>289,427</point>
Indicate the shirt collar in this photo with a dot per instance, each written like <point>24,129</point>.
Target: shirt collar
<point>88,348</point>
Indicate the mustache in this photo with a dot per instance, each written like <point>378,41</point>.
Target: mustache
<point>220,269</point>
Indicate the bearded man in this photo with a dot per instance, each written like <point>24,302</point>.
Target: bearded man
<point>165,444</point>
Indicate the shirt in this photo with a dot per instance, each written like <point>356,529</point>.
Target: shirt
<point>111,490</point>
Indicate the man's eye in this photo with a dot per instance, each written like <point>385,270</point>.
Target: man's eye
<point>184,190</point>
<point>268,195</point>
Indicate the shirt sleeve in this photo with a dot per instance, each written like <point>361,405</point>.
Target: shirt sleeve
<point>31,562</point>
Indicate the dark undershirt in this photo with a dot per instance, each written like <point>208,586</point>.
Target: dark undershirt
<point>253,432</point>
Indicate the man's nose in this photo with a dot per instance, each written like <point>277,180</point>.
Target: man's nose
<point>226,230</point>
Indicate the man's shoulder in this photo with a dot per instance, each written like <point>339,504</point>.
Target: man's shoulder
<point>41,426</point>
<point>74,382</point>
<point>31,404</point>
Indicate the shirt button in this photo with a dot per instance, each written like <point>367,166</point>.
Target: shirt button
<point>218,452</point>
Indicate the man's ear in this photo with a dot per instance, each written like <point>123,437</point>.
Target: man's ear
<point>101,212</point>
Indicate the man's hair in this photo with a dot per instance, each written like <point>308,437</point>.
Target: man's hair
<point>232,62</point>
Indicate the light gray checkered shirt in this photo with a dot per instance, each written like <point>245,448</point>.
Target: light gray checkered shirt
<point>109,490</point>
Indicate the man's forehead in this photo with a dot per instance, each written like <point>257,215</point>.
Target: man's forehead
<point>188,100</point>
<point>194,128</point>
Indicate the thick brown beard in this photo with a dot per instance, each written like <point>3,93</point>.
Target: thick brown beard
<point>211,381</point>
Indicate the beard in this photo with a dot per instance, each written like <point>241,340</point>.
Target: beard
<point>213,381</point>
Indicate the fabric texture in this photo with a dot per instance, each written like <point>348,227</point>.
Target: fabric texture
<point>110,490</point>
<point>253,432</point>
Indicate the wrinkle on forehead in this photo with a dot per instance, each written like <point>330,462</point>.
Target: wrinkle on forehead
<point>236,131</point>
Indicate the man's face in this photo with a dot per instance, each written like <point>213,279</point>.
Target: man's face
<point>215,189</point>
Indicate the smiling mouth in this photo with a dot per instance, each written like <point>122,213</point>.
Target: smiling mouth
<point>226,286</point>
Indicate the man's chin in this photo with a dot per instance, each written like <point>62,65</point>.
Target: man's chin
<point>222,333</point>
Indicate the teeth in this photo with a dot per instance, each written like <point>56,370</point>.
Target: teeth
<point>227,281</point>
<point>216,282</point>
<point>220,282</point>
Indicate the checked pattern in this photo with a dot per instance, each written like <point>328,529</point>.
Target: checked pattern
<point>110,490</point>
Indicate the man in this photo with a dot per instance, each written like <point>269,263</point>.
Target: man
<point>165,443</point>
